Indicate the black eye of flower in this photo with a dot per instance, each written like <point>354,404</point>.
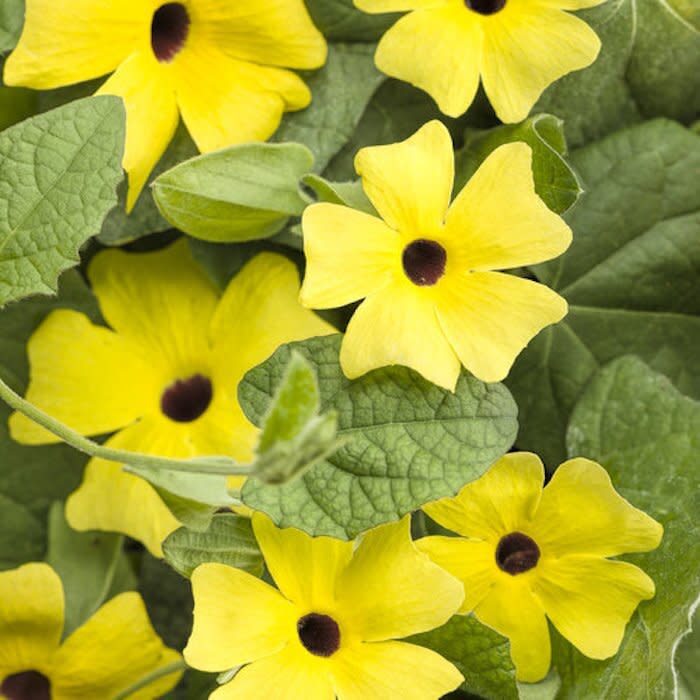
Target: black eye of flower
<point>187,399</point>
<point>424,262</point>
<point>169,30</point>
<point>319,634</point>
<point>517,553</point>
<point>485,7</point>
<point>27,685</point>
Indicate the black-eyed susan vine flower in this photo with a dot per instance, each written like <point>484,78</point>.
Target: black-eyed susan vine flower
<point>110,653</point>
<point>517,47</point>
<point>164,375</point>
<point>330,629</point>
<point>425,269</point>
<point>527,554</point>
<point>221,65</point>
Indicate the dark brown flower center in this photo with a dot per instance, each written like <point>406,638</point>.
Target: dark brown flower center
<point>169,30</point>
<point>424,262</point>
<point>517,553</point>
<point>485,7</point>
<point>187,399</point>
<point>27,685</point>
<point>319,634</point>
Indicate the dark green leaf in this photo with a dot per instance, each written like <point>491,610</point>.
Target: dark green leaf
<point>630,278</point>
<point>86,563</point>
<point>555,182</point>
<point>228,540</point>
<point>649,66</point>
<point>482,655</point>
<point>410,442</point>
<point>341,91</point>
<point>22,534</point>
<point>58,177</point>
<point>647,435</point>
<point>340,20</point>
<point>235,194</point>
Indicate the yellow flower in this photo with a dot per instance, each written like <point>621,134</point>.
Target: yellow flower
<point>518,47</point>
<point>432,300</point>
<point>112,651</point>
<point>222,65</point>
<point>532,553</point>
<point>328,632</point>
<point>165,377</point>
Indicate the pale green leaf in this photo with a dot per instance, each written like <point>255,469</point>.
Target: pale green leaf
<point>11,19</point>
<point>229,539</point>
<point>482,655</point>
<point>236,194</point>
<point>409,442</point>
<point>630,278</point>
<point>86,563</point>
<point>647,435</point>
<point>349,194</point>
<point>58,177</point>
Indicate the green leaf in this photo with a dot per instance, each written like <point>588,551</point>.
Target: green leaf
<point>630,278</point>
<point>647,435</point>
<point>191,498</point>
<point>482,655</point>
<point>649,66</point>
<point>340,20</point>
<point>555,182</point>
<point>687,661</point>
<point>228,540</point>
<point>58,177</point>
<point>11,20</point>
<point>350,194</point>
<point>341,91</point>
<point>31,478</point>
<point>410,442</point>
<point>236,194</point>
<point>86,563</point>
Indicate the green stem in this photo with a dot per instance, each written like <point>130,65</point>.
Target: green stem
<point>199,465</point>
<point>150,678</point>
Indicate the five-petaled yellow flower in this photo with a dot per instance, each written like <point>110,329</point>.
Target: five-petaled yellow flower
<point>527,554</point>
<point>518,47</point>
<point>221,65</point>
<point>328,632</point>
<point>116,648</point>
<point>165,375</point>
<point>432,300</point>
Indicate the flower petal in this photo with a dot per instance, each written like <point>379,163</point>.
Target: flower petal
<point>115,648</point>
<point>391,589</point>
<point>410,183</point>
<point>224,101</point>
<point>489,317</point>
<point>113,500</point>
<point>528,47</point>
<point>86,376</point>
<point>162,301</point>
<point>581,513</point>
<point>286,675</point>
<point>306,569</point>
<point>237,619</point>
<point>501,501</point>
<point>392,670</point>
<point>161,686</point>
<point>470,561</point>
<point>513,611</point>
<point>398,326</point>
<point>272,33</point>
<point>498,221</point>
<point>378,6</point>
<point>590,600</point>
<point>151,116</point>
<point>68,42</point>
<point>570,4</point>
<point>31,617</point>
<point>349,255</point>
<point>438,49</point>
